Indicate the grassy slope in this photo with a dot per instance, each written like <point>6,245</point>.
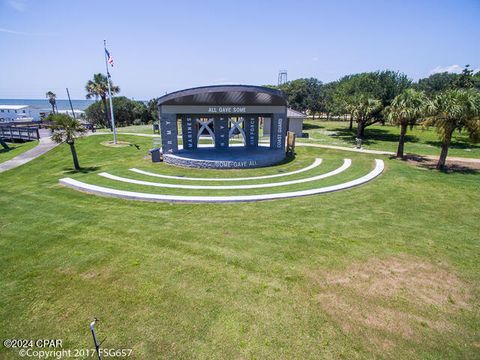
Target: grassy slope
<point>16,149</point>
<point>377,137</point>
<point>226,280</point>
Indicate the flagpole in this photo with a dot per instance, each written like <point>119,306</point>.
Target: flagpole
<point>110,94</point>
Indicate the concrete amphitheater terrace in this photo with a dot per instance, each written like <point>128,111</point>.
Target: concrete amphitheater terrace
<point>387,269</point>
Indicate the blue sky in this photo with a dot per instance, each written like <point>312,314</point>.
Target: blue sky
<point>163,46</point>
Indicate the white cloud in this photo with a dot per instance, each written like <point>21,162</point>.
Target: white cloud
<point>18,5</point>
<point>15,32</point>
<point>8,31</point>
<point>451,69</point>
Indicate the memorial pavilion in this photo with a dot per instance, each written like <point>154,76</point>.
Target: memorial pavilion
<point>220,126</point>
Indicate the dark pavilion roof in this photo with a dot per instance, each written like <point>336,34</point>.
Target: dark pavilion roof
<point>225,95</point>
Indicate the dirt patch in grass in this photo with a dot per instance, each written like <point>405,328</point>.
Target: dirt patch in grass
<point>453,164</point>
<point>89,274</point>
<point>119,144</point>
<point>84,275</point>
<point>387,300</point>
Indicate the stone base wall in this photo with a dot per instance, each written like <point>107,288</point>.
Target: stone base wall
<point>272,159</point>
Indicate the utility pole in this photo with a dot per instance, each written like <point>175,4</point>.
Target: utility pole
<point>71,106</point>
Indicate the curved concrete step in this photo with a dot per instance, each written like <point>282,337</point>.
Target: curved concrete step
<point>132,195</point>
<point>315,164</point>
<point>345,166</point>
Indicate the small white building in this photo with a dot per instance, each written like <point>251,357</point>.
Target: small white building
<point>9,113</point>
<point>294,123</point>
<point>79,114</point>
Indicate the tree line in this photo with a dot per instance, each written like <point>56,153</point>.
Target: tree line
<point>447,101</point>
<point>125,111</point>
<point>337,98</point>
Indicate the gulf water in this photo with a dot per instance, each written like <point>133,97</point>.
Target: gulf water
<point>44,104</point>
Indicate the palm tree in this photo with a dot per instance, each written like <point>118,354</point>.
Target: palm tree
<point>452,110</point>
<point>52,99</point>
<point>98,87</point>
<point>406,110</point>
<point>363,110</point>
<point>348,106</point>
<point>67,129</point>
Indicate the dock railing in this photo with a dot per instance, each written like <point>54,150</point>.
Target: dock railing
<point>19,133</point>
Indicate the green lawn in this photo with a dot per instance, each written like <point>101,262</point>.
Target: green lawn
<point>133,157</point>
<point>16,149</point>
<point>377,137</point>
<point>419,140</point>
<point>141,129</point>
<point>386,270</point>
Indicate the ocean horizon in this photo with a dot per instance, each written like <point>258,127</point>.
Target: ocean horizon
<point>41,104</point>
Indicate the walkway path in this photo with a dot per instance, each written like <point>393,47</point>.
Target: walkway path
<point>44,145</point>
<point>334,147</point>
<point>342,148</point>
<point>380,152</point>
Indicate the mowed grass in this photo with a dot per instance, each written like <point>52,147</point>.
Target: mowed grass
<point>141,129</point>
<point>386,270</point>
<point>419,140</point>
<point>134,157</point>
<point>15,149</point>
<point>377,137</point>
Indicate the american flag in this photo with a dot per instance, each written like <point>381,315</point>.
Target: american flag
<point>109,57</point>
